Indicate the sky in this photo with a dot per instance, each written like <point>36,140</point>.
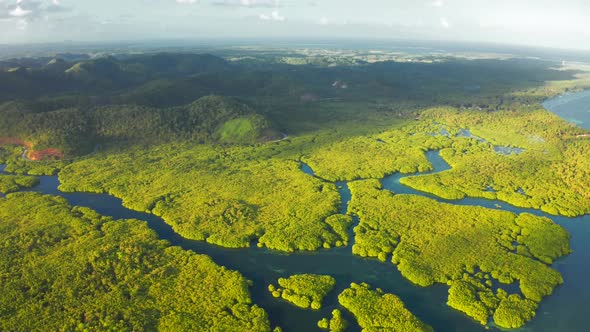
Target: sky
<point>549,23</point>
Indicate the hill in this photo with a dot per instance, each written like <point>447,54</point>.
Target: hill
<point>76,131</point>
<point>34,78</point>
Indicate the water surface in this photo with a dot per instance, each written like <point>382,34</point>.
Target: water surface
<point>573,107</point>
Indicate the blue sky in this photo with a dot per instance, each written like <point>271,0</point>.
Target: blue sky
<point>553,23</point>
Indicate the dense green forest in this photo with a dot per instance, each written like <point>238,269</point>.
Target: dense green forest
<point>12,183</point>
<point>262,186</point>
<point>468,248</point>
<point>216,148</point>
<point>154,98</point>
<point>551,174</point>
<point>68,268</point>
<point>77,131</point>
<point>230,196</point>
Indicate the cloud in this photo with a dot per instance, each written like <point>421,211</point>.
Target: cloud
<point>19,12</point>
<point>438,3</point>
<point>444,22</point>
<point>56,7</point>
<point>185,2</point>
<point>29,9</point>
<point>247,3</point>
<point>324,21</point>
<point>274,16</point>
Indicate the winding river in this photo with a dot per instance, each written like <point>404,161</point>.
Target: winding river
<point>556,313</point>
<point>565,310</point>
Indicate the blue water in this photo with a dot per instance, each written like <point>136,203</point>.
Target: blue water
<point>563,311</point>
<point>508,150</point>
<point>467,134</point>
<point>573,107</point>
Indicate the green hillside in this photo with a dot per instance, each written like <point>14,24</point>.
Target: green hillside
<point>76,131</point>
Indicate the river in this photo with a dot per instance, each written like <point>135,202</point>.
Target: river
<point>263,267</point>
<point>429,304</point>
<point>565,310</point>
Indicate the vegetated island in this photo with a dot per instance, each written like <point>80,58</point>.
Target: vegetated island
<point>303,290</point>
<point>379,311</point>
<point>335,324</point>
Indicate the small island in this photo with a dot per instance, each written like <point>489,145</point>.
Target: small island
<point>304,290</point>
<point>376,310</point>
<point>335,324</point>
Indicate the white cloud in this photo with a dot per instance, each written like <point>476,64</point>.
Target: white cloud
<point>30,9</point>
<point>444,22</point>
<point>274,16</point>
<point>324,21</point>
<point>19,12</point>
<point>189,2</point>
<point>438,3</point>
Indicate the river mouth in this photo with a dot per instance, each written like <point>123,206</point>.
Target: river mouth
<point>559,312</point>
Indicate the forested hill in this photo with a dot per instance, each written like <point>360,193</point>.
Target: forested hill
<point>74,103</point>
<point>76,131</point>
<point>27,78</point>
